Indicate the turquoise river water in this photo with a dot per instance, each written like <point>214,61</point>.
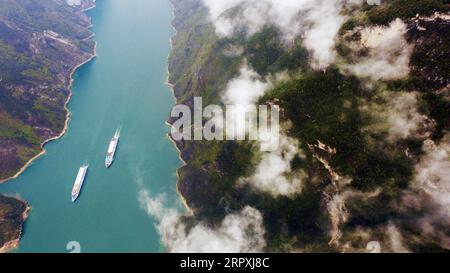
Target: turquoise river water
<point>124,87</point>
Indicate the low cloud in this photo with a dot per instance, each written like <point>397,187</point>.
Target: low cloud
<point>373,247</point>
<point>274,172</point>
<point>73,2</point>
<point>241,96</point>
<point>245,89</point>
<point>389,53</point>
<point>404,118</point>
<point>241,93</point>
<point>395,239</point>
<point>398,116</point>
<point>317,21</point>
<point>430,192</point>
<point>432,173</point>
<point>240,232</point>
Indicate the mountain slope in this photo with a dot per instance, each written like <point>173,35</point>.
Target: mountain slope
<point>41,43</point>
<point>365,129</point>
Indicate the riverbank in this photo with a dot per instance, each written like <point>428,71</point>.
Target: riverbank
<point>5,201</point>
<point>122,88</point>
<point>92,56</point>
<point>196,70</point>
<point>171,87</point>
<point>14,242</point>
<point>92,4</point>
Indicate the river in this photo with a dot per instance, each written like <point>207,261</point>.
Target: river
<point>124,87</point>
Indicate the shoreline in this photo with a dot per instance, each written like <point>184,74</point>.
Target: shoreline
<point>92,6</point>
<point>68,113</point>
<point>183,163</point>
<point>171,87</point>
<point>13,244</point>
<point>8,246</point>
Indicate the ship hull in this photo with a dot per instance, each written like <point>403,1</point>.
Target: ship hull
<point>108,164</point>
<point>112,150</point>
<point>79,181</point>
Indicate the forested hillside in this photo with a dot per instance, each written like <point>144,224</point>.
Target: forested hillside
<point>365,129</point>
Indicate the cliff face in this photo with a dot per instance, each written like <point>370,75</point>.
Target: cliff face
<point>361,166</point>
<point>41,43</point>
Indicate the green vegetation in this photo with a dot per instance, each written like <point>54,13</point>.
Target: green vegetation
<point>11,218</point>
<point>404,9</point>
<point>305,218</point>
<point>195,68</point>
<point>326,106</point>
<point>266,53</point>
<point>34,73</point>
<point>439,109</point>
<point>212,174</point>
<point>34,79</point>
<point>12,129</point>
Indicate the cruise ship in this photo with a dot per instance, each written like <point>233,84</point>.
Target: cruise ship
<point>79,182</point>
<point>112,149</point>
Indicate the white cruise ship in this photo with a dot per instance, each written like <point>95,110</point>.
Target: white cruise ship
<point>79,182</point>
<point>112,149</point>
